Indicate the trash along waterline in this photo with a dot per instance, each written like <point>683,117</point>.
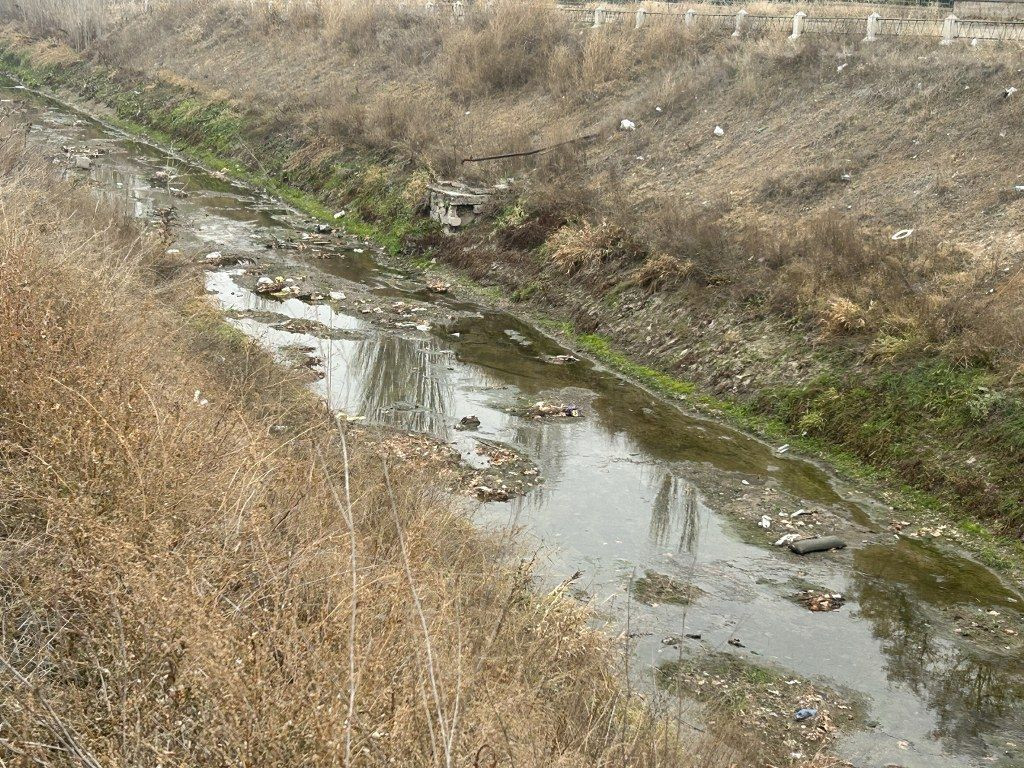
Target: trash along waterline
<point>671,519</point>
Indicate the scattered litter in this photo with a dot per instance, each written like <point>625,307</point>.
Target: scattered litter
<point>358,250</point>
<point>485,493</point>
<point>800,513</point>
<point>199,400</point>
<point>468,422</point>
<point>438,286</point>
<point>694,636</point>
<point>842,66</point>
<point>1008,92</point>
<point>545,410</point>
<point>820,602</point>
<point>627,125</point>
<point>560,359</point>
<point>342,416</point>
<point>657,109</point>
<point>788,539</point>
<point>782,448</point>
<point>670,641</point>
<point>846,177</point>
<point>735,642</point>
<point>818,544</point>
<point>902,234</point>
<point>766,522</point>
<point>339,214</point>
<point>805,714</point>
<point>324,229</point>
<point>218,259</point>
<point>719,131</point>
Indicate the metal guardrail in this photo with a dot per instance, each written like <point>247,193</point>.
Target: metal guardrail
<point>917,27</point>
<point>739,23</point>
<point>874,26</point>
<point>991,30</point>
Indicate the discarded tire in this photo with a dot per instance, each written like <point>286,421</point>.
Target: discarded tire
<point>822,544</point>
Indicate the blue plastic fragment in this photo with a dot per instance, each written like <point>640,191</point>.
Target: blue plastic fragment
<point>805,714</point>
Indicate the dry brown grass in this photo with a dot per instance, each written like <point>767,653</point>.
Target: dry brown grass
<point>79,22</point>
<point>803,143</point>
<point>180,587</point>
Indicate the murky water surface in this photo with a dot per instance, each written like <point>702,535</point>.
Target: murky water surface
<point>635,485</point>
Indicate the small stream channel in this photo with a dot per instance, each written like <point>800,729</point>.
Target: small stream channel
<point>633,486</point>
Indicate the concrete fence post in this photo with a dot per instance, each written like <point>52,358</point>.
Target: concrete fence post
<point>950,29</point>
<point>741,23</point>
<point>872,28</point>
<point>641,17</point>
<point>598,17</point>
<point>799,20</point>
<point>688,19</point>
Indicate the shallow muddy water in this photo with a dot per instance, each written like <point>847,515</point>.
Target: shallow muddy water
<point>634,485</point>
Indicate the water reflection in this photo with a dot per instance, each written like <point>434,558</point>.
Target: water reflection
<point>675,509</point>
<point>970,691</point>
<point>402,383</point>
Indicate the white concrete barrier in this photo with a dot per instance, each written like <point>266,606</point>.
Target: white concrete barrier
<point>872,28</point>
<point>799,21</point>
<point>741,23</point>
<point>950,29</point>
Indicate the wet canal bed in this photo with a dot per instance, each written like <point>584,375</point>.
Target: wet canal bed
<point>633,491</point>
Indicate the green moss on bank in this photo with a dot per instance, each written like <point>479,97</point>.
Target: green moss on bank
<point>375,197</point>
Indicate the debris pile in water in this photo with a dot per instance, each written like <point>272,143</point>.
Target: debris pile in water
<point>545,410</point>
<point>818,601</point>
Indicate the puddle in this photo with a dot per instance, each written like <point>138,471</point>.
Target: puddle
<point>632,487</point>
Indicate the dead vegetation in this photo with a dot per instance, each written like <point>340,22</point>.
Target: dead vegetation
<point>79,22</point>
<point>791,226</point>
<point>199,569</point>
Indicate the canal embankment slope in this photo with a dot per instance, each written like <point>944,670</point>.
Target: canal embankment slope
<point>752,272</point>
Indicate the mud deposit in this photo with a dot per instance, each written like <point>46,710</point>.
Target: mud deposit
<point>628,488</point>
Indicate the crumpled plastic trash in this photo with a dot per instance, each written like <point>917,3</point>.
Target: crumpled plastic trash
<point>719,130</point>
<point>789,538</point>
<point>805,714</point>
<point>766,522</point>
<point>627,125</point>
<point>902,234</point>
